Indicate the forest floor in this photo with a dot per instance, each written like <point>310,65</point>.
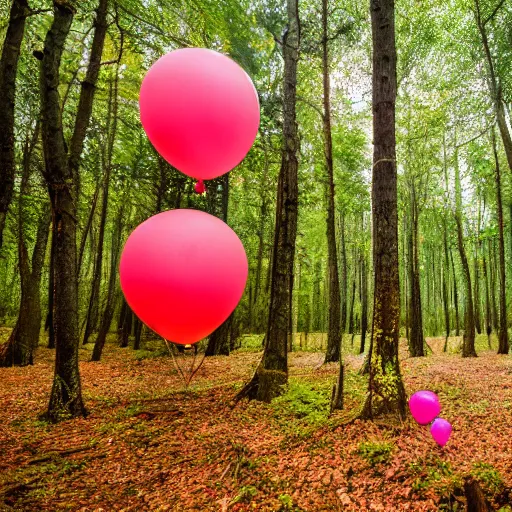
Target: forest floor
<point>148,444</point>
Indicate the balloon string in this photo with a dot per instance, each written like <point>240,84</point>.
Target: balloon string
<point>192,371</point>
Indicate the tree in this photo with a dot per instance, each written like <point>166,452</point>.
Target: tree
<point>503,346</point>
<point>272,373</point>
<point>334,333</point>
<point>386,391</point>
<point>62,179</point>
<point>8,68</point>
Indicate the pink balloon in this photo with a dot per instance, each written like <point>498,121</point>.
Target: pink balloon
<point>200,110</point>
<point>183,272</point>
<point>441,431</point>
<point>424,406</point>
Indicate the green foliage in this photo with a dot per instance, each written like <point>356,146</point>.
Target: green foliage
<point>305,402</point>
<point>489,477</point>
<point>245,494</point>
<point>286,502</point>
<point>376,452</point>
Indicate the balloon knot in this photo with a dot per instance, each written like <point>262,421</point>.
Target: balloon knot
<point>199,187</point>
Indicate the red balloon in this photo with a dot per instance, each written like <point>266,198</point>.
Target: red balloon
<point>200,110</point>
<point>183,272</point>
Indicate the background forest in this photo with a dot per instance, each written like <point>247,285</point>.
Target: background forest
<point>72,149</point>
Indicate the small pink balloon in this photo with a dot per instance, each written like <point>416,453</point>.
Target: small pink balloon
<point>441,430</point>
<point>200,111</point>
<point>183,272</point>
<point>424,406</point>
<point>199,187</point>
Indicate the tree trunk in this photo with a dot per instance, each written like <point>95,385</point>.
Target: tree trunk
<point>351,309</point>
<point>446,273</point>
<point>91,323</point>
<point>364,302</point>
<point>455,297</point>
<point>62,177</point>
<point>8,69</point>
<point>488,318</point>
<point>48,326</point>
<point>468,342</point>
<point>272,372</point>
<point>334,332</point>
<point>475,498</point>
<point>386,391</point>
<point>24,338</point>
<point>108,312</point>
<point>87,229</point>
<point>417,341</point>
<point>503,346</point>
<point>218,342</point>
<point>493,270</point>
<point>343,280</point>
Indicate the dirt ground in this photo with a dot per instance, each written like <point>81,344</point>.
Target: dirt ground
<point>149,444</point>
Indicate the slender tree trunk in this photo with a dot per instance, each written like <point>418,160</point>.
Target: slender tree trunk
<point>48,326</point>
<point>218,342</point>
<point>488,318</point>
<point>8,69</point>
<point>364,303</point>
<point>336,324</point>
<point>91,323</point>
<point>468,342</point>
<point>417,341</point>
<point>272,372</point>
<point>343,280</point>
<point>446,273</point>
<point>503,345</point>
<point>493,270</point>
<point>476,275</point>
<point>455,297</point>
<point>386,391</point>
<point>90,218</point>
<point>24,338</point>
<point>108,312</point>
<point>351,310</point>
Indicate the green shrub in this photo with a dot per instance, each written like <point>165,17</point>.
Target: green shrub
<point>245,494</point>
<point>375,452</point>
<point>303,401</point>
<point>488,476</point>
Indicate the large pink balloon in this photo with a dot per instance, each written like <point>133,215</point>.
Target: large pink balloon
<point>200,110</point>
<point>424,406</point>
<point>183,272</point>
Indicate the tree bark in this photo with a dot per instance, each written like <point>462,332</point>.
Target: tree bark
<point>364,303</point>
<point>334,333</point>
<point>488,317</point>
<point>468,340</point>
<point>446,273</point>
<point>417,340</point>
<point>66,395</point>
<point>8,69</point>
<point>386,392</point>
<point>344,272</point>
<point>272,372</point>
<point>62,178</point>
<point>503,345</point>
<point>108,312</point>
<point>19,349</point>
<point>218,342</point>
